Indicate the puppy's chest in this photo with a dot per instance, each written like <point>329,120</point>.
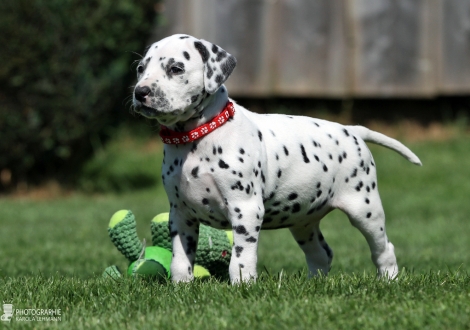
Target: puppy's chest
<point>190,181</point>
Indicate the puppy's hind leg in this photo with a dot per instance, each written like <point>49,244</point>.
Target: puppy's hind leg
<point>317,252</point>
<point>369,218</point>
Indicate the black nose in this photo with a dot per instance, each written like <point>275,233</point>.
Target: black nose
<point>141,92</point>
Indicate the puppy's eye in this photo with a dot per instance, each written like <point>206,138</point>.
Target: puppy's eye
<point>140,69</point>
<point>176,70</point>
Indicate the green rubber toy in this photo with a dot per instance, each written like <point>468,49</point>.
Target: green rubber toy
<point>212,256</point>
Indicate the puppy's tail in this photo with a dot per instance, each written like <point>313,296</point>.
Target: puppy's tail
<point>383,140</point>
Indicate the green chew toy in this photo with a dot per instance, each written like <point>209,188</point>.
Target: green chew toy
<point>213,250</point>
<point>212,257</point>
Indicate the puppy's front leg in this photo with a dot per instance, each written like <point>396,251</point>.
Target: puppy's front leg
<point>184,236</point>
<point>246,225</point>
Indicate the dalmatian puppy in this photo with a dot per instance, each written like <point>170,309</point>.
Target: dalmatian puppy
<point>230,168</point>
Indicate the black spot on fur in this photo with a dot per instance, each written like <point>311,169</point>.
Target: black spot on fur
<point>219,79</point>
<point>242,151</point>
<point>304,154</point>
<point>346,131</point>
<point>286,151</point>
<point>240,230</point>
<point>209,72</point>
<point>202,50</point>
<point>186,55</point>
<point>194,172</point>
<point>292,196</point>
<point>223,164</point>
<point>325,168</point>
<point>237,185</point>
<point>238,250</point>
<point>296,208</point>
<point>228,66</point>
<point>354,173</point>
<point>368,215</point>
<point>359,186</point>
<point>279,173</point>
<point>221,55</point>
<point>260,135</point>
<point>251,239</point>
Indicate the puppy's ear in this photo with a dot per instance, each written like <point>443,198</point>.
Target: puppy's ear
<point>218,64</point>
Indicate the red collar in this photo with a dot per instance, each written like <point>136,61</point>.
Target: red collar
<point>171,137</point>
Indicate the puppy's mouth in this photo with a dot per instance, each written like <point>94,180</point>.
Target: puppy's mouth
<point>147,111</point>
<point>163,117</point>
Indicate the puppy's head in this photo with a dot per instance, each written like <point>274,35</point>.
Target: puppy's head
<point>175,76</point>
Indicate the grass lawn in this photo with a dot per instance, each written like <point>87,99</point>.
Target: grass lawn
<point>53,252</point>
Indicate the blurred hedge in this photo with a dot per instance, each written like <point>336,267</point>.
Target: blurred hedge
<point>65,72</point>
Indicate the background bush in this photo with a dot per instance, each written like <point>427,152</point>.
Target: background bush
<point>129,161</point>
<point>65,73</point>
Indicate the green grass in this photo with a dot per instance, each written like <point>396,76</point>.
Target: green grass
<point>54,251</point>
